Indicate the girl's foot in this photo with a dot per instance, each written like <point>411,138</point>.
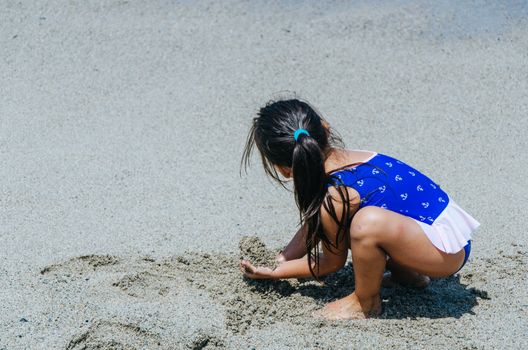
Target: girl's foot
<point>349,308</point>
<point>405,278</point>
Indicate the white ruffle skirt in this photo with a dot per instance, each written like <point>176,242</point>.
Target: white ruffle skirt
<point>451,230</point>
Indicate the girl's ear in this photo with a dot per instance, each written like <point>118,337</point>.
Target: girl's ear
<point>284,170</point>
<point>326,127</point>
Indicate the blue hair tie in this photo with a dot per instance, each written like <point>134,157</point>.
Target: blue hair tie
<point>298,132</point>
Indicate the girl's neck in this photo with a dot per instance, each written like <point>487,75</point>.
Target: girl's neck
<point>334,158</point>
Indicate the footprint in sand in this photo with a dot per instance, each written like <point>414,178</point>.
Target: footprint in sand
<point>80,265</point>
<point>115,335</point>
<point>146,284</point>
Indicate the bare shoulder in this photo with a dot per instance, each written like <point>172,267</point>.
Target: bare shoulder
<point>339,194</point>
<point>344,157</point>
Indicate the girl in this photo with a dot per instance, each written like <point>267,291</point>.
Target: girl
<point>389,214</point>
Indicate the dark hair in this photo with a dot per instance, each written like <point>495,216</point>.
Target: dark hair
<point>272,132</point>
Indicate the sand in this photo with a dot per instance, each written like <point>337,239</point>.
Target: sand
<point>122,211</point>
<point>250,306</point>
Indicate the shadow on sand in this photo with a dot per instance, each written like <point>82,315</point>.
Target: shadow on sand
<point>445,297</point>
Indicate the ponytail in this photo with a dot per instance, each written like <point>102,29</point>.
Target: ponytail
<point>291,133</point>
<point>308,175</point>
<point>309,179</point>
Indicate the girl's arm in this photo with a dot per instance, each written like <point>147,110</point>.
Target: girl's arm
<point>298,268</point>
<point>296,248</point>
<point>329,261</point>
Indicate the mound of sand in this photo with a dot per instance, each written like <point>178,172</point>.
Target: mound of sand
<point>254,250</point>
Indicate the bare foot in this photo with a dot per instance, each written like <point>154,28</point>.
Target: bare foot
<point>408,279</point>
<point>350,308</point>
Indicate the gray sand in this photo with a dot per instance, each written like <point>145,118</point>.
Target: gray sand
<point>253,249</point>
<point>122,212</point>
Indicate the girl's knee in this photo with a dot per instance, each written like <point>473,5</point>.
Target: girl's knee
<point>367,223</point>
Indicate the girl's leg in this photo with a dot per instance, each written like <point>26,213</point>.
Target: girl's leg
<point>374,234</point>
<point>401,275</point>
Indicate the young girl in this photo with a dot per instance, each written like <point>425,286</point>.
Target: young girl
<point>389,214</point>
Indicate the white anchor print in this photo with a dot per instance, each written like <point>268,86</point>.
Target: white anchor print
<point>399,162</point>
<point>425,204</point>
<point>422,218</point>
<point>433,186</point>
<point>382,188</point>
<point>430,219</point>
<point>404,196</point>
<point>384,206</point>
<point>360,182</point>
<point>412,173</point>
<point>441,200</point>
<point>419,188</point>
<point>398,178</point>
<point>389,164</point>
<point>375,171</point>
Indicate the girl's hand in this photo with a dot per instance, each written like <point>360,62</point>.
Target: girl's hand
<point>256,273</point>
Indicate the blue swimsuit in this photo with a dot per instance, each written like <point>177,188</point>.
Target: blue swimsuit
<point>388,183</point>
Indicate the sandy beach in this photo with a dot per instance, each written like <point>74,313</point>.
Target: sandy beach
<point>123,214</point>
